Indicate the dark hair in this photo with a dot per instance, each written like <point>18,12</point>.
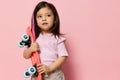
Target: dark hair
<point>56,27</point>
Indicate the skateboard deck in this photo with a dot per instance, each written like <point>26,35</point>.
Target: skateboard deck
<point>28,38</point>
<point>35,55</point>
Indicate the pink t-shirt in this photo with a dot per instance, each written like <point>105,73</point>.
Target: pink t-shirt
<point>51,48</point>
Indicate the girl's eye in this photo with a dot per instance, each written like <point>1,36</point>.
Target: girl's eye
<point>48,15</point>
<point>40,16</point>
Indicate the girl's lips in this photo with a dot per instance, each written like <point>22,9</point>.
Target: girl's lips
<point>44,23</point>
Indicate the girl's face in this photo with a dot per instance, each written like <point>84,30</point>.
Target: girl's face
<point>45,19</point>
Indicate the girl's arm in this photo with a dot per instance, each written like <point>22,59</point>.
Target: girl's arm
<point>52,67</point>
<point>27,52</point>
<point>57,64</point>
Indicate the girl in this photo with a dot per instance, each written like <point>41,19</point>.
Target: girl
<point>49,42</point>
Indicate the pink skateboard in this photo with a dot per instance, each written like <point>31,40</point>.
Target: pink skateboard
<point>26,41</point>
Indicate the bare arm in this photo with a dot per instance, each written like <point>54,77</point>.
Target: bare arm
<point>27,52</point>
<point>58,63</point>
<point>55,65</point>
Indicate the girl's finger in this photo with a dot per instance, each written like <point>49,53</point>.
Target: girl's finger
<point>39,65</point>
<point>40,70</point>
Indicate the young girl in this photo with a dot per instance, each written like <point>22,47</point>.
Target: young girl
<point>49,42</point>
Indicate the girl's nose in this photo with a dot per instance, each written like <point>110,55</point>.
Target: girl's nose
<point>43,18</point>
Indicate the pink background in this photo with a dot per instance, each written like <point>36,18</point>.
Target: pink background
<point>92,28</point>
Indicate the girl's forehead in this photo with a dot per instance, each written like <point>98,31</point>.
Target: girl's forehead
<point>44,10</point>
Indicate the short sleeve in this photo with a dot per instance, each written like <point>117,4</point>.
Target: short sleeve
<point>62,51</point>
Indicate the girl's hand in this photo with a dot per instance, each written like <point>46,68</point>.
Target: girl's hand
<point>43,68</point>
<point>34,47</point>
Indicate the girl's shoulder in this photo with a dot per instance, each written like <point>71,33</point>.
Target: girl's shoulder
<point>60,39</point>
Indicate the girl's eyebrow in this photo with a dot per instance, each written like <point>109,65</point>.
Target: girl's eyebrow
<point>45,13</point>
<point>39,14</point>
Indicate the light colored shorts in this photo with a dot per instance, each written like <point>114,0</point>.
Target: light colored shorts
<point>55,75</point>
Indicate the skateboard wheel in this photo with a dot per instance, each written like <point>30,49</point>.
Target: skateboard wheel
<point>25,37</point>
<point>20,44</point>
<point>32,70</point>
<point>26,74</point>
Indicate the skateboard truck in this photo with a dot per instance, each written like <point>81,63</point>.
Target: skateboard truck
<point>31,71</point>
<point>25,41</point>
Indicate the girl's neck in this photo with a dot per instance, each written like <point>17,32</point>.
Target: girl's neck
<point>46,33</point>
